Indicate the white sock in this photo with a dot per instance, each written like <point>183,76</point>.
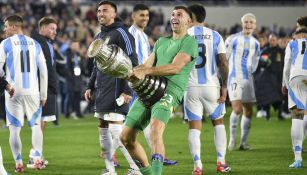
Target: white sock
<point>305,125</point>
<point>105,139</point>
<point>297,137</point>
<point>2,169</point>
<point>15,143</point>
<point>146,132</point>
<point>115,130</point>
<point>233,123</point>
<point>220,141</point>
<point>195,146</point>
<point>245,127</point>
<point>37,141</point>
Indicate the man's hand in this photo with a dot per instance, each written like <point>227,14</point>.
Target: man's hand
<point>223,95</point>
<point>88,95</point>
<point>43,102</point>
<point>284,90</point>
<point>127,98</point>
<point>139,72</point>
<point>10,89</point>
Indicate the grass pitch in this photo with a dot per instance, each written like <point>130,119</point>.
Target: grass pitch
<point>72,148</point>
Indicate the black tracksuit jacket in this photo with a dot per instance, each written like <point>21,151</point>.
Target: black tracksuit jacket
<point>50,62</point>
<point>106,88</point>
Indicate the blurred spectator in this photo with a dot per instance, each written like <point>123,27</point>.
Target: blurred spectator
<point>74,79</point>
<point>77,20</point>
<point>263,41</point>
<point>270,70</point>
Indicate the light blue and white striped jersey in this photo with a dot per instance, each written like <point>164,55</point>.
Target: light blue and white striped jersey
<point>24,57</point>
<point>295,59</point>
<point>142,46</point>
<point>210,44</point>
<point>243,56</point>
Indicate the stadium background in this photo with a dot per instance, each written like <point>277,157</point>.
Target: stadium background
<point>72,147</point>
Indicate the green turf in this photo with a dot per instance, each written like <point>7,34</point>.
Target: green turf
<point>72,149</point>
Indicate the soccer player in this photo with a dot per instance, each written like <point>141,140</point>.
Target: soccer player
<point>24,58</point>
<point>204,92</point>
<point>295,80</point>
<point>47,32</point>
<point>302,22</point>
<point>140,17</point>
<point>172,57</point>
<point>107,89</point>
<point>242,51</point>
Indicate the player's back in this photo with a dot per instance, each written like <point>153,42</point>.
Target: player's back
<point>298,57</point>
<point>23,54</point>
<point>243,55</point>
<point>142,46</point>
<point>210,44</point>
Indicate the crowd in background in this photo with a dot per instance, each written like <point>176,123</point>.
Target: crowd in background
<point>76,25</point>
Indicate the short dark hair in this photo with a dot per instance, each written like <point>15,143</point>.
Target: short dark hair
<point>46,21</point>
<point>14,19</point>
<point>185,9</point>
<point>301,30</point>
<point>113,5</point>
<point>138,7</point>
<point>302,21</point>
<point>199,12</point>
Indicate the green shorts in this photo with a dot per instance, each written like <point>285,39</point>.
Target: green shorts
<point>139,116</point>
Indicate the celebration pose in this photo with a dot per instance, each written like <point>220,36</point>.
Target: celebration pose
<point>172,57</point>
<point>242,51</point>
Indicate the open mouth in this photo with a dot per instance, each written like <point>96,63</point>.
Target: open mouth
<point>175,23</point>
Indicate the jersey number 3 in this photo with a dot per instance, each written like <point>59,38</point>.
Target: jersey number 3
<point>25,58</point>
<point>201,55</point>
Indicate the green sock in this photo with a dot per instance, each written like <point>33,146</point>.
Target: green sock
<point>156,167</point>
<point>146,170</point>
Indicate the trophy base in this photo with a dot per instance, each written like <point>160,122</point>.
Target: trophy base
<point>151,90</point>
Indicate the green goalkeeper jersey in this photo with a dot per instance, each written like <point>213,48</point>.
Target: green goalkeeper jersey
<point>165,49</point>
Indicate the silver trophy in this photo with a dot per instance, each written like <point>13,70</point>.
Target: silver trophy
<point>113,61</point>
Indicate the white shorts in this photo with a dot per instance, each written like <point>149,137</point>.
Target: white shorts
<point>19,106</point>
<point>241,90</point>
<point>297,92</point>
<point>200,100</point>
<point>110,116</point>
<point>49,118</point>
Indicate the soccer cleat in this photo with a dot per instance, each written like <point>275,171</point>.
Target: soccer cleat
<point>19,168</point>
<point>107,172</point>
<point>168,162</point>
<point>38,164</point>
<point>45,161</point>
<point>296,164</point>
<point>31,164</point>
<point>116,164</point>
<point>222,167</point>
<point>231,145</point>
<point>259,114</point>
<point>244,147</point>
<point>132,171</point>
<point>197,171</point>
